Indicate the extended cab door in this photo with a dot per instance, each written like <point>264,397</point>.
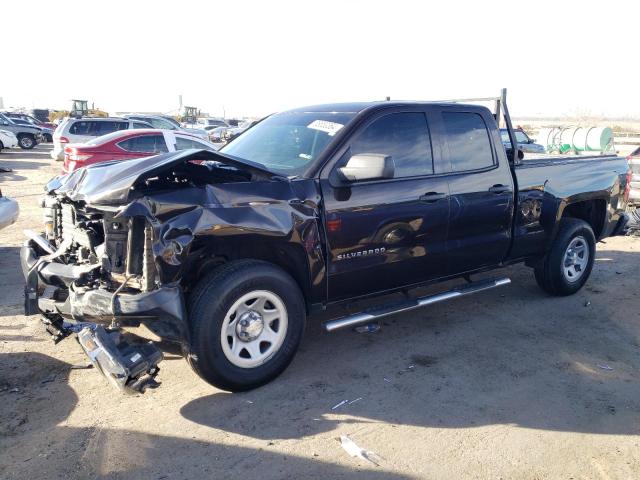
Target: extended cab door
<point>481,186</point>
<point>385,234</point>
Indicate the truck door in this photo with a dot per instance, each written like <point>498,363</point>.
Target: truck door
<point>482,190</point>
<point>384,234</point>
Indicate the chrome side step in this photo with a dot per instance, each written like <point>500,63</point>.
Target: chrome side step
<point>375,313</point>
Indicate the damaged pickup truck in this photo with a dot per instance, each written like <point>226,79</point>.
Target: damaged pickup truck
<point>226,253</point>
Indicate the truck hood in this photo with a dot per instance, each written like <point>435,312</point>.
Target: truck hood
<point>112,183</point>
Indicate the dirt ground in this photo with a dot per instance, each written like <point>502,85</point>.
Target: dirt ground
<point>509,383</point>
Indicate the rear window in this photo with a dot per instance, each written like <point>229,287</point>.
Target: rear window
<point>636,152</point>
<point>145,144</point>
<point>468,140</point>
<point>95,128</point>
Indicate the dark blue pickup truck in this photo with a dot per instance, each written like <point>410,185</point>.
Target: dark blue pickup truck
<point>227,253</point>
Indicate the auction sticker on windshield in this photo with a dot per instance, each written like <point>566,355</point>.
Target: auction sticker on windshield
<point>325,126</point>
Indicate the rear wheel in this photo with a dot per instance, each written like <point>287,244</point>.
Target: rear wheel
<point>26,141</point>
<point>567,266</point>
<point>247,320</point>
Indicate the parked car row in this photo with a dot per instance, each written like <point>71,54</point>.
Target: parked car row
<point>28,136</point>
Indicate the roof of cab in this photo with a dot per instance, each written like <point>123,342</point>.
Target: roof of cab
<point>357,107</point>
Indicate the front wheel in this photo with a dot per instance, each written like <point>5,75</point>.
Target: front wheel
<point>567,266</point>
<point>26,142</point>
<point>247,320</point>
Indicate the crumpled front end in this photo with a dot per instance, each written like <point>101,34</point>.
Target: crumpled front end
<point>93,266</point>
<point>92,273</point>
<point>122,241</point>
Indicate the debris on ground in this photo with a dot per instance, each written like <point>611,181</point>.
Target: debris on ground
<point>339,404</point>
<point>49,379</point>
<point>604,366</point>
<point>368,328</point>
<point>354,401</point>
<point>82,366</point>
<point>355,451</point>
<point>587,303</point>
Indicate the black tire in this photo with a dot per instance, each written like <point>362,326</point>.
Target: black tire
<point>208,305</point>
<point>1,146</point>
<point>27,141</point>
<point>48,138</point>
<point>550,273</point>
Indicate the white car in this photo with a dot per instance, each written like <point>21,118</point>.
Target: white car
<point>8,139</point>
<point>80,130</point>
<point>9,211</point>
<point>168,123</point>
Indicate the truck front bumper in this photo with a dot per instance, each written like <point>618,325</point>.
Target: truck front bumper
<point>52,289</point>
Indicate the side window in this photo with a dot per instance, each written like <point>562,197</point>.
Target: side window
<point>184,144</point>
<point>141,125</point>
<point>80,128</point>
<point>468,139</point>
<point>107,127</point>
<point>521,137</point>
<point>145,144</point>
<point>403,136</point>
<point>160,123</point>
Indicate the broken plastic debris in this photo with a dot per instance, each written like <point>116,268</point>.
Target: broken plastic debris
<point>339,404</point>
<point>587,303</point>
<point>355,451</point>
<point>368,328</point>
<point>81,366</point>
<point>354,401</point>
<point>604,366</point>
<point>386,379</point>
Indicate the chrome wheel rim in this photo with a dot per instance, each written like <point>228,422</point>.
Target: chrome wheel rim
<point>576,259</point>
<point>26,142</point>
<point>254,329</point>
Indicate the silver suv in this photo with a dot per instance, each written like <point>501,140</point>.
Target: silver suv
<point>80,130</point>
<point>28,135</point>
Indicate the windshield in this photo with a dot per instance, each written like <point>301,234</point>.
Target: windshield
<point>6,119</point>
<point>288,143</point>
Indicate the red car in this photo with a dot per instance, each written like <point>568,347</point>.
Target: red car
<point>128,145</point>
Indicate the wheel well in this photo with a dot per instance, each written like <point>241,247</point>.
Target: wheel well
<point>591,211</point>
<point>288,256</point>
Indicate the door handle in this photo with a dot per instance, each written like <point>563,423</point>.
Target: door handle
<point>497,189</point>
<point>431,197</point>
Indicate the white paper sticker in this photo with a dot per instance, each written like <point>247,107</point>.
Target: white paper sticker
<point>136,357</point>
<point>324,126</point>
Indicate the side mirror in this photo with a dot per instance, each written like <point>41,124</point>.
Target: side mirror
<point>367,166</point>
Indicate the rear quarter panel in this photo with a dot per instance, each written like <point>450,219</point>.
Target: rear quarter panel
<point>546,187</point>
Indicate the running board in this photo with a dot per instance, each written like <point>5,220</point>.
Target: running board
<point>376,313</point>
